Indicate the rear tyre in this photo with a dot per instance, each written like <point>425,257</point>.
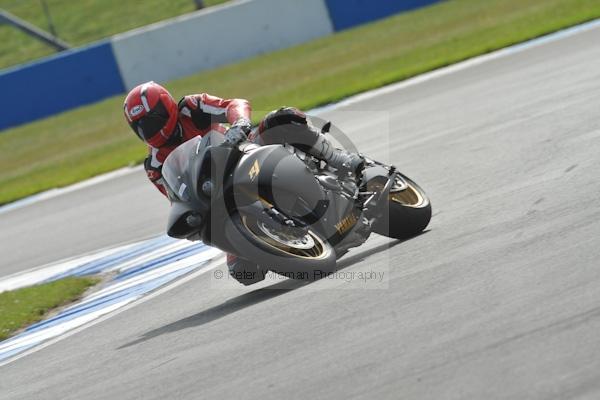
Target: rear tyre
<point>304,256</point>
<point>408,212</point>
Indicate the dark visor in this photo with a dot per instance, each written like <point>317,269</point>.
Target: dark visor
<point>151,123</point>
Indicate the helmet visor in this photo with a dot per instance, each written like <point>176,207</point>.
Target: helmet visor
<point>151,123</point>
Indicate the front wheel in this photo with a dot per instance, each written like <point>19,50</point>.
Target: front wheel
<point>302,255</point>
<point>408,212</point>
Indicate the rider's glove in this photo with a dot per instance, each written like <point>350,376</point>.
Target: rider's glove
<point>238,132</point>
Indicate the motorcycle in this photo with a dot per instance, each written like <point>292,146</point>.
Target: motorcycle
<point>283,209</point>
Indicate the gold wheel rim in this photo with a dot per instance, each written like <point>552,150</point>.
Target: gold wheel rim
<point>409,197</point>
<point>317,252</point>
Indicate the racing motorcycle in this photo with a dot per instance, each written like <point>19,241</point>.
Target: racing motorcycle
<point>283,209</point>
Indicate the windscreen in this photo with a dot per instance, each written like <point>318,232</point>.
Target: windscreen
<point>176,168</point>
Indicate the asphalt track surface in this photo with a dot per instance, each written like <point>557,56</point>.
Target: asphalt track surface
<point>499,299</point>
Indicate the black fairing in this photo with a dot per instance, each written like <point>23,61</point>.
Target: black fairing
<point>185,170</point>
<point>251,179</point>
<point>239,178</point>
<point>274,175</point>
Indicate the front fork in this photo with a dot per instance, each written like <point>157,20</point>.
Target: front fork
<point>377,199</point>
<point>371,210</point>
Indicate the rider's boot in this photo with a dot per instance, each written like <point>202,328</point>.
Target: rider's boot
<point>341,160</point>
<point>290,125</point>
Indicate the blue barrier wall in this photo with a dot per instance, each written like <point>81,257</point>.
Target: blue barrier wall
<point>68,80</point>
<point>90,74</point>
<point>348,13</point>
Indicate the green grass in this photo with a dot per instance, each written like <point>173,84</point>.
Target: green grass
<point>22,307</point>
<point>81,21</point>
<point>95,139</point>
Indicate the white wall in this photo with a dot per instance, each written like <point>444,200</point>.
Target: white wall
<point>217,36</point>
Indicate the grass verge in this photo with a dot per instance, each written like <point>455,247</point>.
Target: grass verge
<point>22,307</point>
<point>95,139</point>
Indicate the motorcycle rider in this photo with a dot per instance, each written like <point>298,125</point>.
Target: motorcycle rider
<point>164,124</point>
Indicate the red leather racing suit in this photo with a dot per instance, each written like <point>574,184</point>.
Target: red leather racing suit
<point>198,115</point>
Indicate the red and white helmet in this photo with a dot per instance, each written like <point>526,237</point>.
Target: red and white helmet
<point>152,113</point>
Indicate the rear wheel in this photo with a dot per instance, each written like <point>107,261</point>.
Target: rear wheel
<point>298,254</point>
<point>408,212</point>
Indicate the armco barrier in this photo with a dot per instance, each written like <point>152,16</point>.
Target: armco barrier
<point>58,83</point>
<point>211,38</point>
<point>348,13</point>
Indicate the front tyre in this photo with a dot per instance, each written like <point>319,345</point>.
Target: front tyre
<point>408,212</point>
<point>299,256</point>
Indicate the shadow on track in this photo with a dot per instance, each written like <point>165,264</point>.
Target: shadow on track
<point>248,299</point>
<point>346,262</point>
<point>229,307</point>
